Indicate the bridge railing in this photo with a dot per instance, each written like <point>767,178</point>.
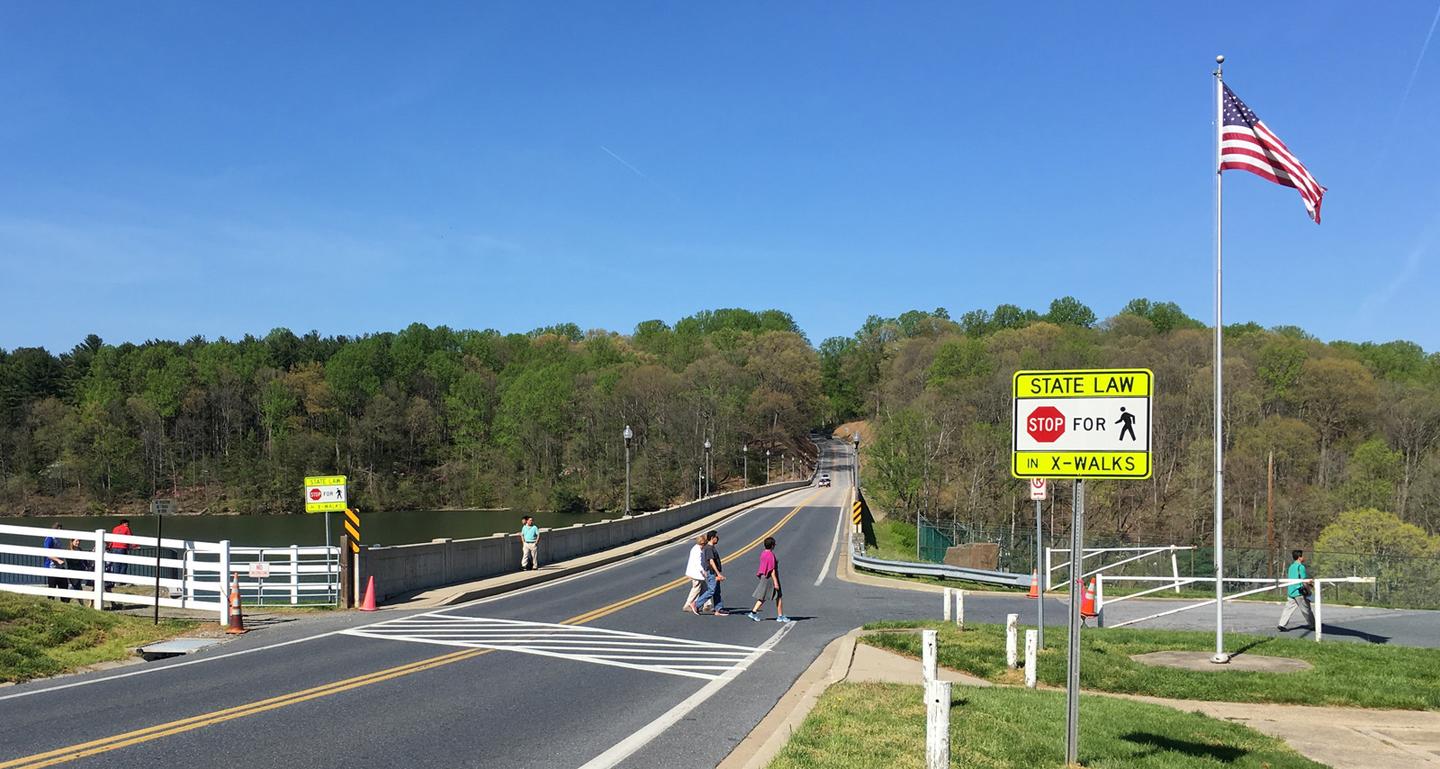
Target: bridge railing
<point>101,567</point>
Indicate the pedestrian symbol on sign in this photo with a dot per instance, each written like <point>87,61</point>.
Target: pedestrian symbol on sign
<point>1127,420</point>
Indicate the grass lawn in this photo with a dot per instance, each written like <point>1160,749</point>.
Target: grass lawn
<point>1345,674</point>
<point>883,725</point>
<point>42,637</point>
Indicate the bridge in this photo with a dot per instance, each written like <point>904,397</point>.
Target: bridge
<point>597,668</point>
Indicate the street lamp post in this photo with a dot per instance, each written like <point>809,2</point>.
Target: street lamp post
<point>708,468</point>
<point>628,435</point>
<point>855,481</point>
<point>745,464</point>
<point>767,467</point>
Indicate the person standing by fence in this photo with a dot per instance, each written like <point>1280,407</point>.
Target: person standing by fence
<point>55,563</point>
<point>1298,593</point>
<point>120,548</point>
<point>529,544</point>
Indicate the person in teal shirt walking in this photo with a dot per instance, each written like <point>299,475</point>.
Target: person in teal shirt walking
<point>1299,593</point>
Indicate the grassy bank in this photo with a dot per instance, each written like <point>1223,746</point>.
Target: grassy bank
<point>41,637</point>
<point>857,725</point>
<point>1346,674</point>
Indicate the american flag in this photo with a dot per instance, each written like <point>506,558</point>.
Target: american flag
<point>1246,144</point>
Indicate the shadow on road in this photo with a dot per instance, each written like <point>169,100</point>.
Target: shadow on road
<point>1341,630</point>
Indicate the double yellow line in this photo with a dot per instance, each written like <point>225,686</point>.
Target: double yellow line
<point>127,739</point>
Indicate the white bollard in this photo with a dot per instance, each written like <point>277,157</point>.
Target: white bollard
<point>1030,672</point>
<point>960,609</point>
<point>1010,637</point>
<point>947,604</point>
<point>1319,613</point>
<point>937,725</point>
<point>929,655</point>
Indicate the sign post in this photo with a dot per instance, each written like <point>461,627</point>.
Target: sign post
<point>1086,423</point>
<point>326,494</point>
<point>159,508</point>
<point>1038,491</point>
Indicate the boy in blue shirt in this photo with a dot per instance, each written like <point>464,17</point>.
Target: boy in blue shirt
<point>1298,593</point>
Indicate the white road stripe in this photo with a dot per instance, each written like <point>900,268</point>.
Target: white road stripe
<point>834,545</point>
<point>628,746</point>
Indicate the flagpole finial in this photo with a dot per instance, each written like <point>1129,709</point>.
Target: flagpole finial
<point>1220,59</point>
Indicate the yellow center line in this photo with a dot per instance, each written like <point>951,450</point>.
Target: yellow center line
<point>648,594</point>
<point>127,739</point>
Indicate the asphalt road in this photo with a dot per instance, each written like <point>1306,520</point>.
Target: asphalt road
<point>599,669</point>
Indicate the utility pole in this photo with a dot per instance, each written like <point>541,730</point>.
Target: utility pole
<point>1270,514</point>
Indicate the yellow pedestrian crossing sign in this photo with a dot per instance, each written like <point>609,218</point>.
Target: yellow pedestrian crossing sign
<point>325,493</point>
<point>1082,423</point>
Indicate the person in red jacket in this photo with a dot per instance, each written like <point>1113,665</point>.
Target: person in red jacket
<point>120,548</point>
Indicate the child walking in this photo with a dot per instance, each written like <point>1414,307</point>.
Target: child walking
<point>769,586</point>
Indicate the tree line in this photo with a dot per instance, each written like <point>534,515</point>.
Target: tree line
<point>438,417</point>
<point>422,418</point>
<point>1349,427</point>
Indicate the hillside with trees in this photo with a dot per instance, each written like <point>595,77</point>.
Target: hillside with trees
<point>422,418</point>
<point>1350,426</point>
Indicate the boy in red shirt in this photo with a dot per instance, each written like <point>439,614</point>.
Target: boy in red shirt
<point>769,586</point>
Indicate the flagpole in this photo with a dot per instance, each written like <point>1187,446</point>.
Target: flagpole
<point>1220,656</point>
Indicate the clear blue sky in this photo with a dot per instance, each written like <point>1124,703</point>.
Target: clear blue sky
<point>171,169</point>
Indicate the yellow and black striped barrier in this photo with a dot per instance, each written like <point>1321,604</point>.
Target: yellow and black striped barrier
<point>857,511</point>
<point>352,527</point>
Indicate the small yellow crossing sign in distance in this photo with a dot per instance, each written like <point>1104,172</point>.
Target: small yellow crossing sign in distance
<point>325,493</point>
<point>1083,423</point>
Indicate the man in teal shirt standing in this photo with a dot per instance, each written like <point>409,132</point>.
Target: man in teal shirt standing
<point>529,544</point>
<point>1299,593</point>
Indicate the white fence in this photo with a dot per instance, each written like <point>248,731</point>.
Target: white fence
<point>1125,554</point>
<point>100,567</point>
<point>1318,603</point>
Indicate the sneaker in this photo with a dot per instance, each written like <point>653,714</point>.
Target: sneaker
<point>783,618</point>
<point>721,613</point>
<point>1282,628</point>
<point>753,616</point>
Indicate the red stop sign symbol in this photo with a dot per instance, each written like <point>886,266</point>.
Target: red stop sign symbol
<point>315,495</point>
<point>1045,424</point>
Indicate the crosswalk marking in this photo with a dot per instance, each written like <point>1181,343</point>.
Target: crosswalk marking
<point>616,648</point>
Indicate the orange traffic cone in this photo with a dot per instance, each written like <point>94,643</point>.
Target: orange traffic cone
<point>1087,600</point>
<point>368,604</point>
<point>1034,585</point>
<point>237,619</point>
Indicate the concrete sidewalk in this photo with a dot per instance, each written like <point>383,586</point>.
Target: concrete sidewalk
<point>504,583</point>
<point>1343,738</point>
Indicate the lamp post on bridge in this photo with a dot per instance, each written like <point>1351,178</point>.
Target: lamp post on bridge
<point>767,467</point>
<point>745,463</point>
<point>629,434</point>
<point>855,438</point>
<point>708,468</point>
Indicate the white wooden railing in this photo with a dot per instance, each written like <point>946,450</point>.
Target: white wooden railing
<point>193,574</point>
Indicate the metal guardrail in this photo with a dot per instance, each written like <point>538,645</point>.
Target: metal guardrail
<point>905,568</point>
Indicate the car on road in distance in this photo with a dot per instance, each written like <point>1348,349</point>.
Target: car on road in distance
<point>824,479</point>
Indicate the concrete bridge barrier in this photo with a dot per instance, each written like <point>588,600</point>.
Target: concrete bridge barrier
<point>400,569</point>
